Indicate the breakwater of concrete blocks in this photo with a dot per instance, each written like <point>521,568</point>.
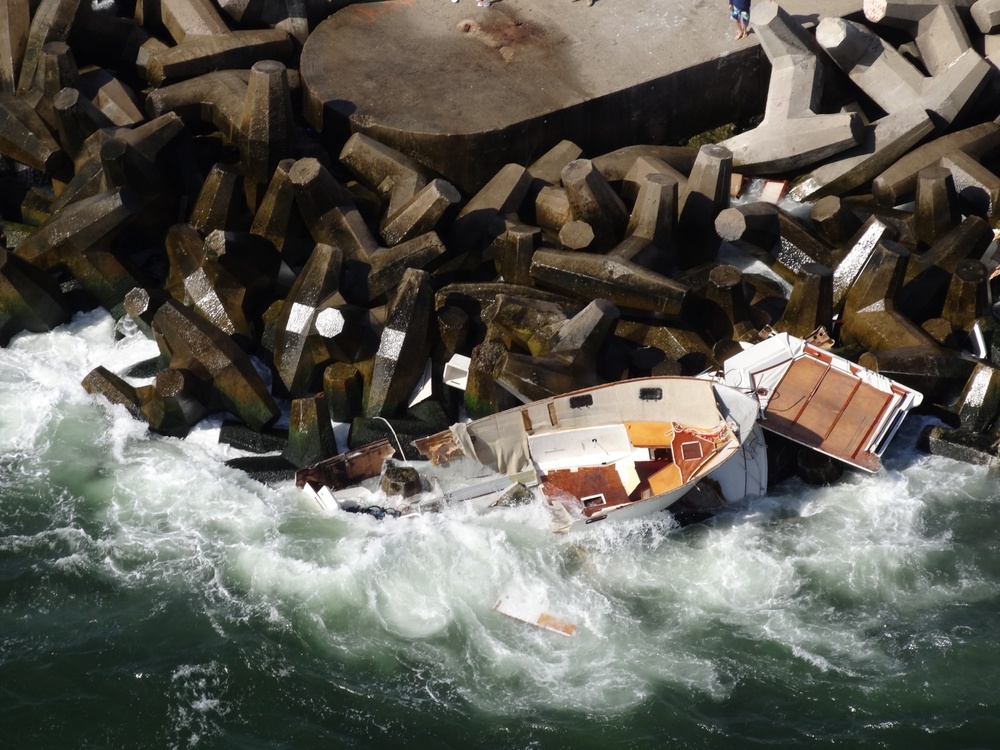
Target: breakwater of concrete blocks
<point>156,163</point>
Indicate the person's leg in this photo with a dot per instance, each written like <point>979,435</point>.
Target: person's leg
<point>742,24</point>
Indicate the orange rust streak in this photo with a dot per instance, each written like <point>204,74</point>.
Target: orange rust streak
<point>550,622</point>
<point>372,11</point>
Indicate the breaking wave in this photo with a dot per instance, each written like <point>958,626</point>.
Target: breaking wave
<point>198,584</point>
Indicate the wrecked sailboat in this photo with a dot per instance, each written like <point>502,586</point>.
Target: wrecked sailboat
<point>615,451</point>
<point>622,450</point>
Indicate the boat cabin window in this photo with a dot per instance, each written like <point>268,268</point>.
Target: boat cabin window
<point>578,402</point>
<point>592,501</point>
<point>650,394</point>
<point>691,451</point>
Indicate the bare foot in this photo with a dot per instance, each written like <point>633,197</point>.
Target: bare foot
<point>739,36</point>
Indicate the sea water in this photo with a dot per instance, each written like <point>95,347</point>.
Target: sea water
<point>151,597</point>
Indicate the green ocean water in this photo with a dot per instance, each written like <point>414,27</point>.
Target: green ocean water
<point>150,597</point>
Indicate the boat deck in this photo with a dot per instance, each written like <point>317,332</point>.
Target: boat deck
<point>827,409</point>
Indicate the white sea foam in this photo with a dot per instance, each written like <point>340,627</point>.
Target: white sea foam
<point>807,575</point>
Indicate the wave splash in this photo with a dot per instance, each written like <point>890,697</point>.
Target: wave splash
<point>807,585</point>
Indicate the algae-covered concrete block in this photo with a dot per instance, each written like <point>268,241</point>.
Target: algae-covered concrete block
<point>266,127</point>
<point>30,300</point>
<point>298,350</point>
<point>593,200</point>
<point>193,343</point>
<point>591,276</point>
<point>404,346</point>
<point>310,432</point>
<point>15,20</point>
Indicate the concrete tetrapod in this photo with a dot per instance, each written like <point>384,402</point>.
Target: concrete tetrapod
<point>834,221</point>
<point>899,181</point>
<point>310,432</point>
<point>278,220</point>
<point>937,28</point>
<point>15,20</point>
<point>930,273</point>
<point>882,144</point>
<point>986,14</point>
<point>563,358</point>
<point>654,213</point>
<point>76,120</point>
<point>420,213</point>
<point>978,188</point>
<point>810,305</point>
<point>51,22</point>
<point>221,203</point>
<point>792,134</point>
<point>404,346</point>
<point>102,382</point>
<point>936,212</point>
<point>623,283</point>
<point>514,250</point>
<point>298,349</point>
<point>30,300</point>
<point>172,406</point>
<point>25,137</point>
<point>376,164</point>
<point>182,17</point>
<point>968,297</point>
<point>266,128</point>
<point>192,343</point>
<point>893,82</point>
<point>198,55</point>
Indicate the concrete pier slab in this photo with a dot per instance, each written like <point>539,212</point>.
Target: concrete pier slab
<point>467,89</point>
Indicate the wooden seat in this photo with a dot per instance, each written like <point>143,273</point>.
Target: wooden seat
<point>666,479</point>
